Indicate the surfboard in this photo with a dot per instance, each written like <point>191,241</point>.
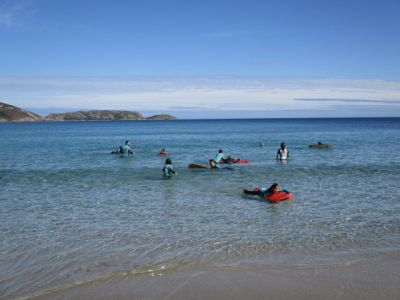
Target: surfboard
<point>197,166</point>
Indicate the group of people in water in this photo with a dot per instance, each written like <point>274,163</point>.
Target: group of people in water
<point>272,193</point>
<point>215,163</point>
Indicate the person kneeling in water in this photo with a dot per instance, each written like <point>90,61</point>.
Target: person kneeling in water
<point>168,168</point>
<point>265,192</point>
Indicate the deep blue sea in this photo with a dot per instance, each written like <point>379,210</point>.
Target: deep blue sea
<point>71,213</point>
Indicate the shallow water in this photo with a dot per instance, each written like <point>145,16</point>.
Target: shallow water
<point>71,212</point>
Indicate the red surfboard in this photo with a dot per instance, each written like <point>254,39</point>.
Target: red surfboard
<point>280,196</point>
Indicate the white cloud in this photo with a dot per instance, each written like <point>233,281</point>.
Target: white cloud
<point>220,93</point>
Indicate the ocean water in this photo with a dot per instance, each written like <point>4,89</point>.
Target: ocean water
<point>71,213</point>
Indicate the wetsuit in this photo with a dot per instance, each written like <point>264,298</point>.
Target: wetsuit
<point>282,154</point>
<point>168,170</point>
<point>219,157</point>
<point>127,150</point>
<point>257,191</point>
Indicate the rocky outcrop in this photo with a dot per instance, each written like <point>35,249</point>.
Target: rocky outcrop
<point>96,115</point>
<point>10,113</point>
<point>162,117</point>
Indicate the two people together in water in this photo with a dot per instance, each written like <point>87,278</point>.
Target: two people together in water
<point>220,159</point>
<point>124,150</point>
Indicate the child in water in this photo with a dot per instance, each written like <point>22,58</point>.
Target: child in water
<point>163,152</point>
<point>220,157</point>
<point>127,149</point>
<point>265,192</point>
<point>168,169</point>
<point>283,152</point>
<point>124,150</point>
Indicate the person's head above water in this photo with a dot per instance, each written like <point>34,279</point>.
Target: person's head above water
<point>168,161</point>
<point>274,188</point>
<point>126,142</point>
<point>220,151</point>
<point>213,164</point>
<point>283,145</point>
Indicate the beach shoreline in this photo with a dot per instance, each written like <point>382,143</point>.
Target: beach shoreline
<point>368,279</point>
<point>79,223</point>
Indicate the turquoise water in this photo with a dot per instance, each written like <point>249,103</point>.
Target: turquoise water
<point>72,213</point>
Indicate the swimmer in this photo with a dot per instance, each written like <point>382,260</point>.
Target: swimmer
<point>168,169</point>
<point>213,164</point>
<point>283,152</point>
<point>163,152</point>
<point>127,149</point>
<point>265,192</point>
<point>124,150</point>
<point>230,160</point>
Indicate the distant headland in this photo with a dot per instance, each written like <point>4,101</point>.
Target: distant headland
<point>10,113</point>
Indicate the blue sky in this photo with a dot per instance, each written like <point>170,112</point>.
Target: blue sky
<point>232,58</point>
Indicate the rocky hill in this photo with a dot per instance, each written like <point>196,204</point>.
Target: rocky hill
<point>96,115</point>
<point>10,113</point>
<point>161,117</point>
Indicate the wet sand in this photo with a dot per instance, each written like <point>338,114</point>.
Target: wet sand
<point>367,281</point>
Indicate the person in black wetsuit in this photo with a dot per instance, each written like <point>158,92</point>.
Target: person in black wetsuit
<point>264,192</point>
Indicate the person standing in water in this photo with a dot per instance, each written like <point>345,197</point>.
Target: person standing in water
<point>220,157</point>
<point>168,169</point>
<point>283,152</point>
<point>127,149</point>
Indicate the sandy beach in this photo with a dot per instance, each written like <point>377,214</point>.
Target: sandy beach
<point>373,279</point>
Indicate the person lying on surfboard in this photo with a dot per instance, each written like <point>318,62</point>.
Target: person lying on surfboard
<point>230,160</point>
<point>273,189</point>
<point>272,194</point>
